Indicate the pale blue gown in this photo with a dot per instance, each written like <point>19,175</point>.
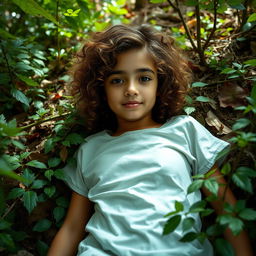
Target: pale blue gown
<point>134,180</point>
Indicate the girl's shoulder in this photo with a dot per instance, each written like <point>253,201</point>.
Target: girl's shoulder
<point>92,140</point>
<point>181,121</point>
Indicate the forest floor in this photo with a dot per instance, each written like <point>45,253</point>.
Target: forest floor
<point>215,110</point>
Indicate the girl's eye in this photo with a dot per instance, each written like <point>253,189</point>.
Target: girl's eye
<point>145,79</point>
<point>116,81</point>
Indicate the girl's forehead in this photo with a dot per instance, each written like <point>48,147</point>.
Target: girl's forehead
<point>135,59</point>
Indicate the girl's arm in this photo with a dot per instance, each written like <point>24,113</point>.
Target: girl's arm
<point>240,243</point>
<point>72,231</point>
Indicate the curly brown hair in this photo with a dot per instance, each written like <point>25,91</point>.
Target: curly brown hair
<point>98,57</point>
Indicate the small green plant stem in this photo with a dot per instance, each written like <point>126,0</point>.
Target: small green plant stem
<point>7,63</point>
<point>9,209</point>
<point>227,80</point>
<point>58,36</point>
<point>198,35</point>
<point>50,118</point>
<point>243,19</point>
<point>177,9</point>
<point>216,2</point>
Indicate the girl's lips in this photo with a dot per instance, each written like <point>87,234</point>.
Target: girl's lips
<point>131,104</point>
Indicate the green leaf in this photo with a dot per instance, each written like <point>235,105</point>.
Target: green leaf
<point>197,207</point>
<point>171,224</point>
<point>117,10</point>
<point>48,174</point>
<point>6,35</point>
<point>24,155</point>
<point>189,110</point>
<point>247,214</point>
<point>74,138</point>
<point>246,171</point>
<point>242,181</point>
<point>251,62</point>
<point>239,206</point>
<point>238,7</point>
<point>49,145</point>
<point>22,67</point>
<point>215,230</point>
<point>36,164</point>
<point>99,26</point>
<point>84,6</point>
<point>27,80</point>
<point>252,18</point>
<point>42,225</point>
<point>207,212</point>
<point>18,144</point>
<point>19,235</point>
<point>6,170</point>
<point>20,96</point>
<point>31,7</point>
<point>58,213</point>
<point>189,237</point>
<point>241,123</point>
<point>15,193</point>
<point>59,174</point>
<point>29,176</point>
<point>53,162</point>
<point>226,169</point>
<point>203,99</point>
<point>224,219</point>
<point>188,99</point>
<point>212,185</point>
<point>42,248</point>
<point>235,224</point>
<point>228,71</point>
<point>4,224</point>
<point>37,184</point>
<point>195,185</point>
<point>223,247</point>
<point>198,84</point>
<point>187,223</point>
<point>62,201</point>
<point>49,191</point>
<point>191,3</point>
<point>7,242</point>
<point>179,206</point>
<point>157,1</point>
<point>30,200</point>
<point>228,208</point>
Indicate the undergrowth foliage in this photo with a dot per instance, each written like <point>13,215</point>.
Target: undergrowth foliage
<point>40,129</point>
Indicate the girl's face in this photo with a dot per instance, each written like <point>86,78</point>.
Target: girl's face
<point>131,90</point>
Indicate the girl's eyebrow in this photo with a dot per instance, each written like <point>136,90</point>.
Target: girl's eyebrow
<point>139,70</point>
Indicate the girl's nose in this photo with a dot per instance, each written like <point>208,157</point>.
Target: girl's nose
<point>131,89</point>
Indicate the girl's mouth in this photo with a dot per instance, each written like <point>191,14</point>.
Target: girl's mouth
<point>132,104</point>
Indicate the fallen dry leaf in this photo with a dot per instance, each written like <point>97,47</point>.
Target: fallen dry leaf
<point>63,154</point>
<point>213,120</point>
<point>232,95</point>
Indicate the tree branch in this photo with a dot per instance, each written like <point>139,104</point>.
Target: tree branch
<point>216,2</point>
<point>176,8</point>
<point>198,34</point>
<point>43,121</point>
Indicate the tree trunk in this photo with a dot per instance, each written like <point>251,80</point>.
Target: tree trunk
<point>139,4</point>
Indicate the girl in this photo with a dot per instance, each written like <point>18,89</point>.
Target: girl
<point>132,83</point>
